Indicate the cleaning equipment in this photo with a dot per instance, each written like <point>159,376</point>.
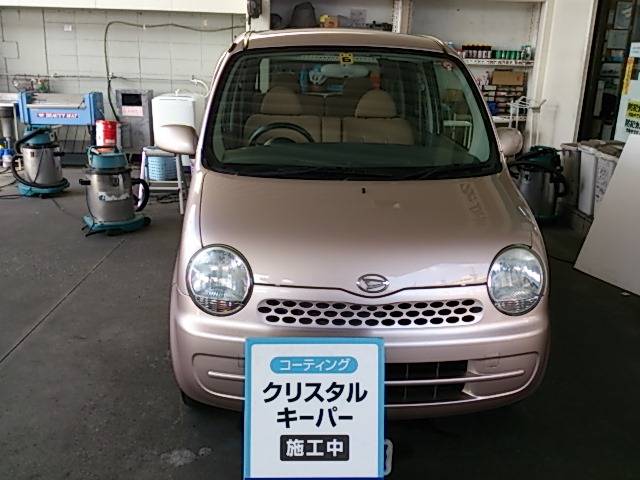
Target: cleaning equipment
<point>40,155</point>
<point>38,148</point>
<point>112,205</point>
<point>538,175</point>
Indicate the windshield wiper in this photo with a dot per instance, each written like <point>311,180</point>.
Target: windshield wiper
<point>446,170</point>
<point>338,173</point>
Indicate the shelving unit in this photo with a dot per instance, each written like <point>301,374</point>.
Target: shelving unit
<point>494,62</point>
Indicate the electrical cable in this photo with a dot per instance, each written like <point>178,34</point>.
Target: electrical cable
<point>143,26</point>
<point>8,184</point>
<point>63,210</point>
<point>167,198</point>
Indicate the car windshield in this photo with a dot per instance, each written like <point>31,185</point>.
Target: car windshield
<point>378,114</point>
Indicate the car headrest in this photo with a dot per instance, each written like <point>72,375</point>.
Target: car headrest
<point>287,80</point>
<point>376,104</point>
<point>281,101</point>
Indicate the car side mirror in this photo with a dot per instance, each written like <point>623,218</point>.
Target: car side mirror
<point>511,141</point>
<point>180,139</point>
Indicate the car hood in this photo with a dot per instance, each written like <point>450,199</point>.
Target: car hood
<point>326,234</point>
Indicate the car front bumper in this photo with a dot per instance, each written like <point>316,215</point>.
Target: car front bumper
<point>503,358</point>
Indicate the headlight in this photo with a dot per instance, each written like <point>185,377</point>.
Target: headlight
<point>516,280</point>
<point>219,280</point>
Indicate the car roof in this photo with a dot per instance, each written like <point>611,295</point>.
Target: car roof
<point>342,37</point>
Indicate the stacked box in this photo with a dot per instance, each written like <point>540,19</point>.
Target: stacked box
<point>506,86</point>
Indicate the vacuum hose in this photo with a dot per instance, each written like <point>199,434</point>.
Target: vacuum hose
<point>16,175</point>
<point>145,192</point>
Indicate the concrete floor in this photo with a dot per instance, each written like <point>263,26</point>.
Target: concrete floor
<point>86,390</point>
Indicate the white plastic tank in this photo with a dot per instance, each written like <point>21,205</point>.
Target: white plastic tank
<point>173,109</point>
<point>588,168</point>
<point>598,160</point>
<point>607,160</point>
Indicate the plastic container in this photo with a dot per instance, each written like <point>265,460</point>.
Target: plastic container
<point>161,169</point>
<point>7,156</point>
<point>607,160</point>
<point>588,167</point>
<point>106,133</point>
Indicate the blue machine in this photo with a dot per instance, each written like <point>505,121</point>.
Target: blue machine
<point>58,109</point>
<point>112,205</point>
<point>38,148</point>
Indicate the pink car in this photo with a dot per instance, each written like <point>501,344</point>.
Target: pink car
<point>351,183</point>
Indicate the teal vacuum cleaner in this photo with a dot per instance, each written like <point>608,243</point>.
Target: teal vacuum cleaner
<point>41,160</point>
<point>113,208</point>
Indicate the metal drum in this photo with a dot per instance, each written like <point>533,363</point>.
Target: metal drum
<point>538,175</point>
<point>42,164</point>
<point>540,190</point>
<point>109,196</point>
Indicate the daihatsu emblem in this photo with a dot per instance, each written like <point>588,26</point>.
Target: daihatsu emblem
<point>372,283</point>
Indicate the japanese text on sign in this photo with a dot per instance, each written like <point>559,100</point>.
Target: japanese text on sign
<point>315,412</point>
<point>632,120</point>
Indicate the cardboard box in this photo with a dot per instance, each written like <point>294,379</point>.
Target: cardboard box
<point>507,77</point>
<point>329,21</point>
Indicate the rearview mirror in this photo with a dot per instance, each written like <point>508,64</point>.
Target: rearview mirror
<point>511,141</point>
<point>180,139</point>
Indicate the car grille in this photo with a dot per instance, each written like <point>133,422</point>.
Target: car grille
<point>447,392</point>
<point>423,314</point>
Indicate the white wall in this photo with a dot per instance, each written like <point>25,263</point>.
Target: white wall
<point>498,23</point>
<point>565,44</point>
<point>70,43</point>
<point>209,6</point>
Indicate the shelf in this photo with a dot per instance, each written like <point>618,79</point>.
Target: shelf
<point>504,119</point>
<point>494,62</point>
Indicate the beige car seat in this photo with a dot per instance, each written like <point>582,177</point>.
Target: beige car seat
<point>311,104</point>
<point>344,105</point>
<point>376,121</point>
<point>279,105</point>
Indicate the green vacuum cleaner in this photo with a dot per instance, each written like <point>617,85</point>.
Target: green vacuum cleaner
<point>538,175</point>
<point>113,208</point>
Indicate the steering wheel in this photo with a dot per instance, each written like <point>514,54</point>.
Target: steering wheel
<point>253,139</point>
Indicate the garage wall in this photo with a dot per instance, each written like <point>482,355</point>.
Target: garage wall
<point>69,43</point>
<point>566,44</point>
<point>214,6</point>
<point>560,30</point>
<point>498,23</point>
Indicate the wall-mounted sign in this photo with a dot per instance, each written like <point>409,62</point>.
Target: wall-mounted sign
<point>632,120</point>
<point>314,408</point>
<point>634,50</point>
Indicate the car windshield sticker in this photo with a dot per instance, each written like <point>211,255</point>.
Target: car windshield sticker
<point>346,58</point>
